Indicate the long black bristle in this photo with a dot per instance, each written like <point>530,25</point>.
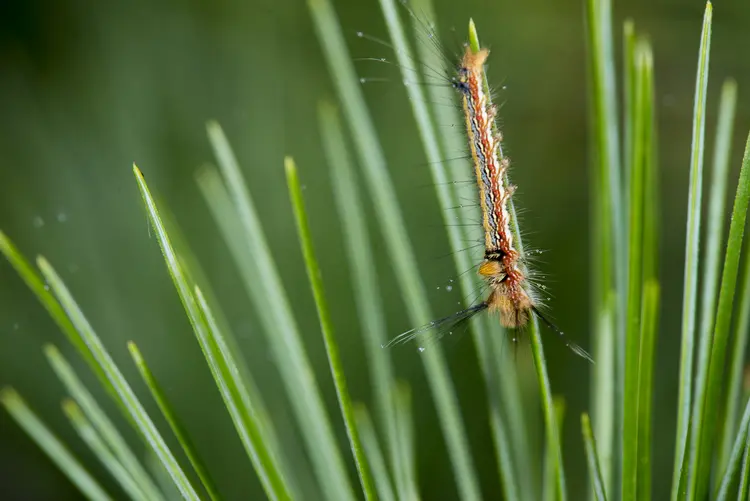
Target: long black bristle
<point>440,326</point>
<point>573,346</point>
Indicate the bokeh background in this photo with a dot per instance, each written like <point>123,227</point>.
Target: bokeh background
<point>87,88</point>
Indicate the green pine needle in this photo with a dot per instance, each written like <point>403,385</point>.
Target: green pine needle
<point>103,425</point>
<point>685,453</point>
<point>592,459</point>
<point>326,326</point>
<point>174,422</point>
<point>95,442</point>
<point>728,476</point>
<point>51,445</point>
<point>367,295</point>
<point>712,384</point>
<point>221,365</point>
<point>608,242</point>
<point>374,454</point>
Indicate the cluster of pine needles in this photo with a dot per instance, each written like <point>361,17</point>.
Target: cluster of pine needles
<point>712,453</point>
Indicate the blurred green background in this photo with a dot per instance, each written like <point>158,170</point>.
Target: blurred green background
<point>87,88</point>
